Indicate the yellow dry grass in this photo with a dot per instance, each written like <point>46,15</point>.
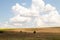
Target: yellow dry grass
<point>52,29</point>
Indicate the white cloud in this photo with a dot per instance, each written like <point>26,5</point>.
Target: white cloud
<point>44,14</point>
<point>38,15</point>
<point>19,18</point>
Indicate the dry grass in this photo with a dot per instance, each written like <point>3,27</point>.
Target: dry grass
<point>27,34</point>
<point>51,30</point>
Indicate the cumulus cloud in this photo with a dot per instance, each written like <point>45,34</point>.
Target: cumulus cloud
<point>37,15</point>
<point>19,18</point>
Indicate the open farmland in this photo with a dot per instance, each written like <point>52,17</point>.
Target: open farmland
<point>29,34</point>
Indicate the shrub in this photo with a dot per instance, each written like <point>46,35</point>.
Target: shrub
<point>1,31</point>
<point>34,32</point>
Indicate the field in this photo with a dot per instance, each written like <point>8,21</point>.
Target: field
<point>30,34</point>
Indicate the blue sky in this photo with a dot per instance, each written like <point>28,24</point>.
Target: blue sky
<point>55,3</point>
<point>6,7</point>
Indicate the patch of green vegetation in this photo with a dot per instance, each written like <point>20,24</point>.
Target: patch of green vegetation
<point>7,29</point>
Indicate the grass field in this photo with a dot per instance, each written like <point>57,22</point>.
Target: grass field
<point>28,34</point>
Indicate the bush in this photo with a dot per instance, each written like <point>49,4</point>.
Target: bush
<point>1,31</point>
<point>20,31</point>
<point>34,32</point>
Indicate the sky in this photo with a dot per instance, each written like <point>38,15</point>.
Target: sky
<point>29,13</point>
